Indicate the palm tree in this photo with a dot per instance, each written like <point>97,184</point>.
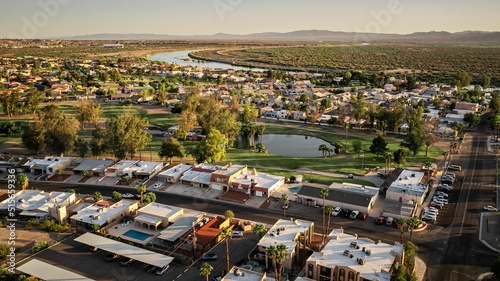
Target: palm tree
<point>229,215</point>
<point>141,189</point>
<point>323,148</point>
<point>22,180</point>
<point>97,196</point>
<point>259,230</point>
<point>226,234</point>
<point>206,269</point>
<point>324,193</point>
<point>281,254</point>
<point>328,211</point>
<point>388,159</point>
<point>271,254</point>
<point>84,173</point>
<point>284,198</point>
<point>412,223</point>
<point>401,223</point>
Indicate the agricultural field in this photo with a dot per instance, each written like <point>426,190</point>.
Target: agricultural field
<point>438,59</point>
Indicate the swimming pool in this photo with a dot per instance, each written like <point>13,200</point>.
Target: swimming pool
<point>295,189</point>
<point>136,235</point>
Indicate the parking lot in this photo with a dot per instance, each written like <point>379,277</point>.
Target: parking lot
<point>77,257</point>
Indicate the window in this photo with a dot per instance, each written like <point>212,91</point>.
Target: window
<point>351,276</point>
<point>341,275</point>
<point>310,272</point>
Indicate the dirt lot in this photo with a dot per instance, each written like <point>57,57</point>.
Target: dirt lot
<point>26,238</point>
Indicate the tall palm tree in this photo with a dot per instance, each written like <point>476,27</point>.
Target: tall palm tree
<point>206,269</point>
<point>401,223</point>
<point>328,211</point>
<point>412,223</point>
<point>388,159</point>
<point>281,255</point>
<point>284,198</point>
<point>324,193</point>
<point>226,234</point>
<point>259,230</point>
<point>271,254</point>
<point>22,180</point>
<point>141,189</point>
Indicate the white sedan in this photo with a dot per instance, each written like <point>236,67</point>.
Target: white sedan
<point>490,208</point>
<point>127,195</point>
<point>336,211</point>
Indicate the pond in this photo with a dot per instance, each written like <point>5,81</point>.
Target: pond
<point>182,58</point>
<point>289,145</point>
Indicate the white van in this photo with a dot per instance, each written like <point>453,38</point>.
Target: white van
<point>455,167</point>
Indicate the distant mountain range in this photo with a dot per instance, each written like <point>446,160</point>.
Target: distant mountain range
<point>439,37</point>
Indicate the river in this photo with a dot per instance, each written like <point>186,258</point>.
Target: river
<point>182,58</point>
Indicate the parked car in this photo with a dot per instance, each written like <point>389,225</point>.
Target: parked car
<point>286,205</point>
<point>455,167</point>
<point>124,261</point>
<point>93,249</point>
<point>111,257</point>
<point>127,195</point>
<point>490,208</point>
<point>447,181</point>
<point>436,205</point>
<point>433,212</point>
<point>236,234</point>
<point>347,213</point>
<point>442,193</point>
<point>354,215</point>
<point>336,211</point>
<point>363,216</point>
<point>157,185</point>
<point>389,221</point>
<point>209,257</point>
<point>217,278</point>
<point>161,270</point>
<point>429,218</point>
<point>380,220</point>
<point>451,175</point>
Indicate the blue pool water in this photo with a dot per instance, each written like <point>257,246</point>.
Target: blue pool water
<point>136,235</point>
<point>295,189</point>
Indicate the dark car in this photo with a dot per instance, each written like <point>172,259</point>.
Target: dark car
<point>111,257</point>
<point>380,220</point>
<point>209,257</point>
<point>363,216</point>
<point>346,213</point>
<point>126,261</point>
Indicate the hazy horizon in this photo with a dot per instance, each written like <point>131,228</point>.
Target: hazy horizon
<point>65,18</point>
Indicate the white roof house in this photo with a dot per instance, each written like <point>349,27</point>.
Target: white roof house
<point>179,226</point>
<point>287,232</point>
<point>121,168</point>
<point>173,174</point>
<point>347,255</point>
<point>196,178</point>
<point>144,168</point>
<point>260,184</point>
<point>48,165</point>
<point>101,215</point>
<point>93,165</point>
<point>36,203</point>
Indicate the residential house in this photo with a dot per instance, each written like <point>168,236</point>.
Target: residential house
<point>222,178</point>
<point>258,184</point>
<point>294,234</point>
<point>122,168</point>
<point>407,193</point>
<point>48,165</point>
<point>242,274</point>
<point>173,174</point>
<point>347,257</point>
<point>94,167</point>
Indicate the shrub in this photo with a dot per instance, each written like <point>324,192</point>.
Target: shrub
<point>40,246</point>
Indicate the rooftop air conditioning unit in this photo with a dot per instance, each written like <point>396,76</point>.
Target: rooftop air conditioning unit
<point>368,252</point>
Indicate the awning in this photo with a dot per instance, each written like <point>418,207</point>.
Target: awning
<point>50,272</point>
<point>126,250</point>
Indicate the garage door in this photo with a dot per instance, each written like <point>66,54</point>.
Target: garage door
<point>216,186</point>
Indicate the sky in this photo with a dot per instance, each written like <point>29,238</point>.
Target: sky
<point>58,18</point>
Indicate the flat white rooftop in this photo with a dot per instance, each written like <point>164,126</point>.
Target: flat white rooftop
<point>262,179</point>
<point>180,225</point>
<point>341,251</point>
<point>99,215</point>
<point>50,272</point>
<point>175,171</point>
<point>158,210</point>
<point>284,232</point>
<point>241,274</point>
<point>124,249</point>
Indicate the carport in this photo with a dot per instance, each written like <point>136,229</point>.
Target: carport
<point>50,272</point>
<point>125,250</point>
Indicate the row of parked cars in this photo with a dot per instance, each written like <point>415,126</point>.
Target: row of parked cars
<point>346,213</point>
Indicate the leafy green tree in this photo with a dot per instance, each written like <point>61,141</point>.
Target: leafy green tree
<point>414,141</point>
<point>357,146</point>
<point>205,270</point>
<point>412,223</point>
<point>11,102</point>
<point>212,148</point>
<point>33,101</point>
<point>117,196</point>
<point>88,112</point>
<point>9,128</point>
<point>338,147</point>
<point>249,114</point>
<point>171,148</point>
<point>97,196</point>
<point>98,143</point>
<point>259,230</point>
<point>324,149</point>
<point>495,103</point>
<point>378,146</point>
<point>261,148</point>
<point>125,134</point>
<point>229,214</point>
<point>22,180</point>
<point>82,147</point>
<point>149,197</point>
<point>400,156</point>
<point>471,118</point>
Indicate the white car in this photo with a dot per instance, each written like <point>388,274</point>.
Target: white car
<point>336,211</point>
<point>440,193</point>
<point>236,234</point>
<point>490,208</point>
<point>127,195</point>
<point>157,185</point>
<point>431,212</point>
